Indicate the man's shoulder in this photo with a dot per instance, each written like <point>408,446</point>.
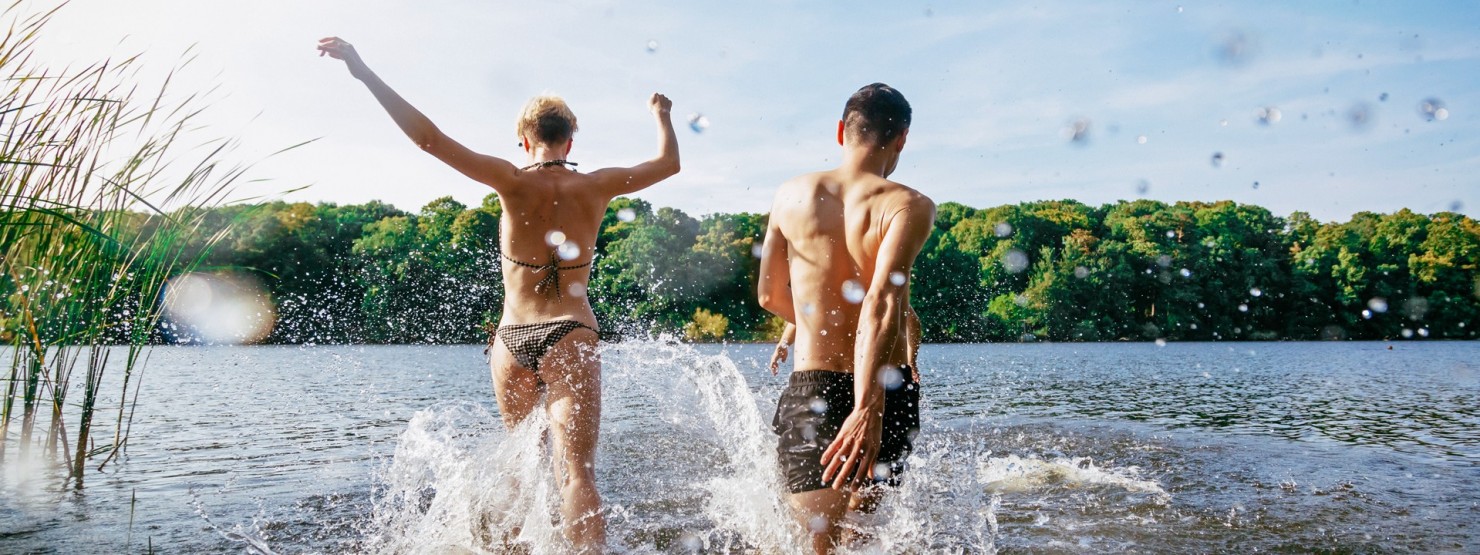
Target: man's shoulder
<point>807,180</point>
<point>903,197</point>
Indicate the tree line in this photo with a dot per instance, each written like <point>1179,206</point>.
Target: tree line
<point>1044,270</point>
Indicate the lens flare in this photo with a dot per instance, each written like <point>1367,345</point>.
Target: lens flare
<point>223,309</point>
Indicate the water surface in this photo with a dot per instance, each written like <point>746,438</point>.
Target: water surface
<point>1346,447</point>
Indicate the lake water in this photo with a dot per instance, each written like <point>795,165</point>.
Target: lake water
<point>1074,448</point>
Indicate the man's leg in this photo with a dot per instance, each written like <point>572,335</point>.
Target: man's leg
<point>573,371</point>
<point>819,511</point>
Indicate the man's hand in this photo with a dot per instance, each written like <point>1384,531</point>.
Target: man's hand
<point>659,104</point>
<point>778,357</point>
<point>339,49</point>
<point>850,459</point>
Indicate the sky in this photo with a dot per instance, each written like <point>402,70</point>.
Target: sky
<point>1159,91</point>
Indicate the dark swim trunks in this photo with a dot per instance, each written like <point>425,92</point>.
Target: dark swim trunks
<point>813,408</point>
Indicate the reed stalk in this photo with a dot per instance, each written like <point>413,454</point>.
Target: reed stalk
<point>99,208</point>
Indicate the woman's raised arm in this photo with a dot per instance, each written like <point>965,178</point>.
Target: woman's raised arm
<point>492,171</point>
<point>620,181</point>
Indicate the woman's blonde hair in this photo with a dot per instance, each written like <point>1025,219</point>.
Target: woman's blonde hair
<point>547,120</point>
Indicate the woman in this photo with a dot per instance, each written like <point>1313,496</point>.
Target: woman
<point>546,339</point>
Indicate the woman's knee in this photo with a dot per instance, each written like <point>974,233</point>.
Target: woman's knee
<point>579,484</point>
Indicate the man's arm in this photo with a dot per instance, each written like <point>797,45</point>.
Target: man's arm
<point>489,170</point>
<point>788,336</point>
<point>914,336</point>
<point>851,456</point>
<point>773,289</point>
<point>615,182</point>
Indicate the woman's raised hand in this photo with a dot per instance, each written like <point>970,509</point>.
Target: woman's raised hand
<point>340,49</point>
<point>659,104</point>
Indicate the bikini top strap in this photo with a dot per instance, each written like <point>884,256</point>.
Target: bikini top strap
<point>551,279</point>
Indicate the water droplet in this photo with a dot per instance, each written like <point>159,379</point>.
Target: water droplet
<point>897,278</point>
<point>1171,234</point>
<point>808,309</point>
<point>1186,273</point>
<point>1142,186</point>
<point>881,471</point>
<point>1382,97</point>
<point>1015,261</point>
<point>853,291</point>
<point>626,214</point>
<point>1433,109</point>
<point>555,238</point>
<point>1002,229</point>
<point>1161,342</point>
<point>1179,9</point>
<point>1366,314</point>
<point>1407,333</point>
<point>1140,139</point>
<point>891,378</point>
<point>818,524</point>
<point>652,46</point>
<point>698,122</point>
<point>1217,159</point>
<point>1359,115</point>
<point>576,289</point>
<point>1268,115</point>
<point>1243,307</point>
<point>1235,49</point>
<point>757,249</point>
<point>1423,332</point>
<point>1456,206</point>
<point>568,250</point>
<point>1377,304</point>
<point>1020,300</point>
<point>691,542</point>
<point>1222,123</point>
<point>1256,292</point>
<point>818,405</point>
<point>1256,184</point>
<point>1077,131</point>
<point>1164,261</point>
<point>1081,272</point>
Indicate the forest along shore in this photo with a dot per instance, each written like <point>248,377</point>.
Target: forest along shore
<point>1052,270</point>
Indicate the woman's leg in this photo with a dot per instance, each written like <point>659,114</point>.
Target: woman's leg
<point>572,370</point>
<point>515,387</point>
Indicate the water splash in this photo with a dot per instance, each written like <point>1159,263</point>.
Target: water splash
<point>698,122</point>
<point>690,466</point>
<point>1268,115</point>
<point>1432,109</point>
<point>1077,131</point>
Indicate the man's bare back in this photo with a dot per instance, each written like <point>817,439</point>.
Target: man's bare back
<point>833,223</point>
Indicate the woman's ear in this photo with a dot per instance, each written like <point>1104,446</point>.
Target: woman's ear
<point>524,142</point>
<point>840,132</point>
<point>569,144</point>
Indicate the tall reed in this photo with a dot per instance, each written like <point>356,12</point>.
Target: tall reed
<point>99,207</point>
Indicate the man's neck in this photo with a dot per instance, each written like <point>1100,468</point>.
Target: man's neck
<point>867,159</point>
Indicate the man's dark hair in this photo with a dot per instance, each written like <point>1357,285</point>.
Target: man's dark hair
<point>876,114</point>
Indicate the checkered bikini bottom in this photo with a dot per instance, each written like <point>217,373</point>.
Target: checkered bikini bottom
<point>529,342</point>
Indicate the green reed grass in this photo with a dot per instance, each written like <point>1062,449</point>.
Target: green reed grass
<point>99,207</point>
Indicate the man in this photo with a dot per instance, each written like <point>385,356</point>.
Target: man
<point>836,263</point>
